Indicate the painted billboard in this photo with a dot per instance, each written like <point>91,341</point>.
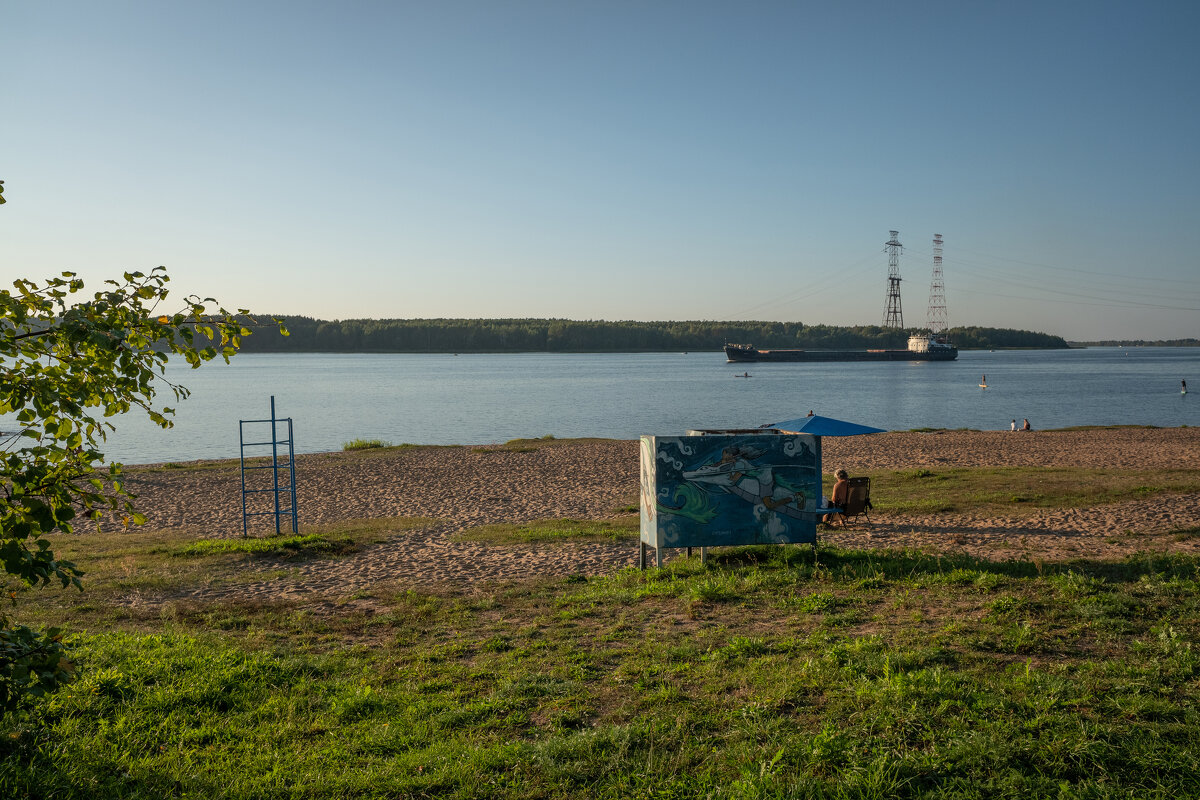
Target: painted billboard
<point>714,490</point>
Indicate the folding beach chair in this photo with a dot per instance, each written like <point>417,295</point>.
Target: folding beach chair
<point>858,501</point>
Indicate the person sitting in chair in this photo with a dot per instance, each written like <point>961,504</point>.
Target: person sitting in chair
<point>838,498</point>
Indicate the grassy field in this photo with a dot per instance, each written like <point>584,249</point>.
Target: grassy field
<point>773,672</point>
<point>1009,490</point>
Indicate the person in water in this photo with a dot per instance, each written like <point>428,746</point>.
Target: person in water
<point>1025,426</point>
<point>839,497</point>
<point>1183,386</point>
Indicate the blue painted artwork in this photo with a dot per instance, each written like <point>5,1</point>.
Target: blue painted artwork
<point>729,489</point>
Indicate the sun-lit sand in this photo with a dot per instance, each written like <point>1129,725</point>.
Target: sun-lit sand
<point>469,486</point>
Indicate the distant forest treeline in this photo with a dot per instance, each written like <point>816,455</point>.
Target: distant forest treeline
<point>1140,343</point>
<point>308,335</point>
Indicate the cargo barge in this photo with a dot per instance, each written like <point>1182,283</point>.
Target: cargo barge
<point>922,347</point>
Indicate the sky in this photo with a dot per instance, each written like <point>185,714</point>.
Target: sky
<point>619,160</point>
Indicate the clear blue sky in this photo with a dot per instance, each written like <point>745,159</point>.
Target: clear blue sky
<point>616,159</point>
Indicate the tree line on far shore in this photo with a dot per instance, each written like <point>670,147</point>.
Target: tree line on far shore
<point>1139,343</point>
<point>579,336</point>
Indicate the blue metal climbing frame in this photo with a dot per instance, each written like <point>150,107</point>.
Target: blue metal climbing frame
<point>277,464</point>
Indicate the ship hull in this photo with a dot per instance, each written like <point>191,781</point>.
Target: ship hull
<point>747,354</point>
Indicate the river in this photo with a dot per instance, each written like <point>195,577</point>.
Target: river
<point>484,398</point>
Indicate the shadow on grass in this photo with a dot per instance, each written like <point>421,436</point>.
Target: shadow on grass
<point>901,564</point>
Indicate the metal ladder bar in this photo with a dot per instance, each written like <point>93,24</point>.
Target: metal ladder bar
<point>277,463</point>
<point>292,476</point>
<point>274,463</point>
<point>242,449</point>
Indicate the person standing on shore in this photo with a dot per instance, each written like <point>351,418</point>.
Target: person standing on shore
<point>1025,426</point>
<point>1013,425</point>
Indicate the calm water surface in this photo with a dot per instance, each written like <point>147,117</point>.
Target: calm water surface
<point>472,399</point>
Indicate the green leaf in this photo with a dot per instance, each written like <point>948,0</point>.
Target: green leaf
<point>69,365</point>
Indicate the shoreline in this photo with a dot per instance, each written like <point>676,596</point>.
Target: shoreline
<point>211,462</point>
<point>464,487</point>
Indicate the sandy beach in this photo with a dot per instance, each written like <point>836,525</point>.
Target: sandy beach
<point>468,486</point>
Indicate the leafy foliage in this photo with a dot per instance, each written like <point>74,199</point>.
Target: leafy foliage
<point>31,664</point>
<point>69,366</point>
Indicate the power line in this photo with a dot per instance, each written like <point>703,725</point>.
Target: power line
<point>1080,270</point>
<point>1130,286</point>
<point>1125,291</point>
<point>831,280</point>
<point>1109,304</point>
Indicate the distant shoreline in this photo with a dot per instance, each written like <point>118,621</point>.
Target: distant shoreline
<point>306,334</point>
<point>939,436</point>
<point>1137,343</point>
<point>310,335</point>
<point>715,351</point>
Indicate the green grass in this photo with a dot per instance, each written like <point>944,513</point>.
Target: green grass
<point>226,465</point>
<point>554,530</point>
<point>139,560</point>
<point>770,673</point>
<point>773,672</point>
<point>365,444</point>
<point>296,545</point>
<point>1019,490</point>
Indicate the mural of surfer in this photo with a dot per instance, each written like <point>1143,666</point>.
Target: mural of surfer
<point>729,489</point>
<point>738,472</point>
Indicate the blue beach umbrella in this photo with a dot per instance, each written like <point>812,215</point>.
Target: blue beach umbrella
<point>823,426</point>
